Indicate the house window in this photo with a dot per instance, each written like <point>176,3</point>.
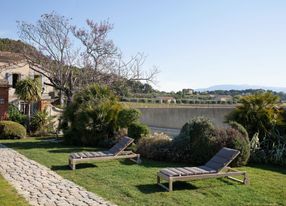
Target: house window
<point>2,100</point>
<point>15,79</point>
<point>24,108</point>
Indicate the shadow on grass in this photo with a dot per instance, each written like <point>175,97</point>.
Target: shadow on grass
<point>153,188</point>
<point>78,166</point>
<point>52,146</point>
<point>151,163</point>
<point>34,145</point>
<point>71,150</point>
<point>270,167</point>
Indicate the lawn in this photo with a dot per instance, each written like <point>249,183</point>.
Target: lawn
<point>126,183</point>
<point>8,195</point>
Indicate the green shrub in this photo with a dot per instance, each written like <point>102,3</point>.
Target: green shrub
<point>155,147</point>
<point>128,116</point>
<point>12,130</point>
<point>91,118</point>
<point>143,100</point>
<point>185,101</point>
<point>16,116</point>
<point>195,137</point>
<point>232,138</point>
<point>42,123</point>
<point>137,130</point>
<point>238,127</point>
<point>133,100</point>
<point>197,142</point>
<point>158,101</point>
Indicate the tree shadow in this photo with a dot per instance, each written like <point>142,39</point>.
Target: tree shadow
<point>154,188</point>
<point>54,147</point>
<point>71,150</point>
<point>78,166</point>
<point>270,167</point>
<point>33,145</point>
<point>154,164</point>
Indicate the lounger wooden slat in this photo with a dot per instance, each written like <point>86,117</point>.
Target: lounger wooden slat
<point>191,170</point>
<point>116,152</point>
<point>215,168</point>
<point>169,172</point>
<point>178,172</point>
<point>186,172</point>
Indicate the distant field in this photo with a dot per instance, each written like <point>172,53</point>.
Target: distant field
<point>150,105</point>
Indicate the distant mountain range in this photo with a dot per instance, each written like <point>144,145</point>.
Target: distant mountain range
<point>240,87</point>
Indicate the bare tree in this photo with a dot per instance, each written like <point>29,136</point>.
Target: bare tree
<point>103,59</point>
<point>68,69</point>
<point>54,55</point>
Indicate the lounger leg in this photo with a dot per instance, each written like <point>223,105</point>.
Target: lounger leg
<point>246,179</point>
<point>71,164</point>
<point>170,185</point>
<point>158,179</point>
<point>138,159</point>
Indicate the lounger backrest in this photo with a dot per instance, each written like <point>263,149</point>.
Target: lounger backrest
<point>121,145</point>
<point>222,159</point>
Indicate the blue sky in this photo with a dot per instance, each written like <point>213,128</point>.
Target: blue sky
<point>195,44</point>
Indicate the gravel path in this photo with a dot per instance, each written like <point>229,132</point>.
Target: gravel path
<point>40,186</point>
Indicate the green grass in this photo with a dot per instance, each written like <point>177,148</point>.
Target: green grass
<point>126,183</point>
<point>8,195</point>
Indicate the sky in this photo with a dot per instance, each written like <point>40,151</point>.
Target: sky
<point>195,44</point>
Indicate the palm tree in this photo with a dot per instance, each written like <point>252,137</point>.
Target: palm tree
<point>29,91</point>
<point>258,113</point>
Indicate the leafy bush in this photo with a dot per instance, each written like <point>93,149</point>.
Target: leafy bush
<point>143,100</point>
<point>91,118</point>
<point>158,101</point>
<point>15,115</point>
<point>127,116</point>
<point>137,130</point>
<point>12,130</point>
<point>239,127</point>
<point>179,101</point>
<point>195,136</point>
<point>156,146</point>
<point>197,142</point>
<point>42,123</point>
<point>234,139</point>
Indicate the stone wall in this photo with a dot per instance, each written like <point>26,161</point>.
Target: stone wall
<point>177,117</point>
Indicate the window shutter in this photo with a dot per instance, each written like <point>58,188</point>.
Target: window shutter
<point>8,76</point>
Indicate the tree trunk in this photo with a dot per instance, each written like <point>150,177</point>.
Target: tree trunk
<point>61,98</point>
<point>29,116</point>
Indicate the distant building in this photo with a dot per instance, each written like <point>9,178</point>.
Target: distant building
<point>223,98</point>
<point>166,99</point>
<point>188,91</point>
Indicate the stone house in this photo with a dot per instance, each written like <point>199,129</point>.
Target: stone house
<point>13,68</point>
<point>166,99</point>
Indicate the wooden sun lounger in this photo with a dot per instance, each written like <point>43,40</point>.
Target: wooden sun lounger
<point>116,152</point>
<point>217,167</point>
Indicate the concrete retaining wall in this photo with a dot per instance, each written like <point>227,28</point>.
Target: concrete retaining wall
<point>177,117</point>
